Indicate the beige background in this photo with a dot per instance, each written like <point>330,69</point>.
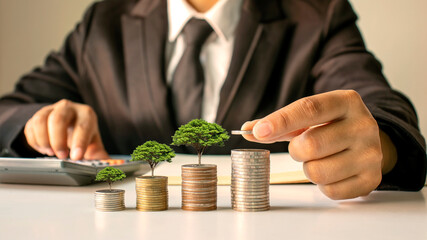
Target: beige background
<point>394,30</point>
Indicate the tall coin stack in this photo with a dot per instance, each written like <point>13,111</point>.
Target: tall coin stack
<point>109,201</point>
<point>151,193</point>
<point>250,180</point>
<point>199,187</point>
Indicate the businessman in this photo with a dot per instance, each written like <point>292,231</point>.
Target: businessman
<point>295,72</point>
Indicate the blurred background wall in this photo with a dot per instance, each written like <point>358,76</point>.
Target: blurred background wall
<point>394,30</point>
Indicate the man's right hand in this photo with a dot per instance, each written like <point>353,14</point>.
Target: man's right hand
<point>66,129</point>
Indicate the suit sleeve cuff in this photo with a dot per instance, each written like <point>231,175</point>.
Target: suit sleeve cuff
<point>409,173</point>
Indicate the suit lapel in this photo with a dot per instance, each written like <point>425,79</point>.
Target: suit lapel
<point>251,65</point>
<point>144,34</point>
<point>247,36</point>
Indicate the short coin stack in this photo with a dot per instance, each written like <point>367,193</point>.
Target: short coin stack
<point>250,180</point>
<point>151,193</point>
<point>108,201</point>
<point>199,187</point>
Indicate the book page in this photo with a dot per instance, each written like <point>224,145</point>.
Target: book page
<point>283,169</point>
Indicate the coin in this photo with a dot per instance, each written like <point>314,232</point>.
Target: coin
<point>198,208</point>
<point>151,193</point>
<point>250,179</point>
<point>239,152</point>
<point>110,200</point>
<point>199,187</point>
<point>246,209</point>
<point>241,132</point>
<point>249,172</point>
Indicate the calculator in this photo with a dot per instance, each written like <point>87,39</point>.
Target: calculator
<point>53,171</point>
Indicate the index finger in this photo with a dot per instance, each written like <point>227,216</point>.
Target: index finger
<point>304,113</point>
<point>85,128</point>
<point>59,120</point>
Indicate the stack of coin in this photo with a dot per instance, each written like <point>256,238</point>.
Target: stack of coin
<point>151,193</point>
<point>199,187</point>
<point>250,180</point>
<point>108,201</point>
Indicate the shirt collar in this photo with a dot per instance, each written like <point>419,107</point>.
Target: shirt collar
<point>223,17</point>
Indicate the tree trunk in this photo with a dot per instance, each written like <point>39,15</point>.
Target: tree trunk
<point>199,154</point>
<point>152,166</point>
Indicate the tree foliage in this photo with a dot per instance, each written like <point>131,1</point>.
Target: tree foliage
<point>153,153</point>
<point>110,175</point>
<point>200,134</point>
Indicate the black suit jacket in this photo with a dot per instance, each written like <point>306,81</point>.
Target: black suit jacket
<point>284,50</point>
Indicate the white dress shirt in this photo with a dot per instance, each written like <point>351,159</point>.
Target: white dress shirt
<point>216,52</point>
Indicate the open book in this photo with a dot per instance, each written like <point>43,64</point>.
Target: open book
<point>283,168</point>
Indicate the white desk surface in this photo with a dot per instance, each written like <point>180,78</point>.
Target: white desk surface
<point>298,212</point>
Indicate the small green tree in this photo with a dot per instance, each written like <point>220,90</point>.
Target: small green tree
<point>110,175</point>
<point>153,153</point>
<point>200,134</point>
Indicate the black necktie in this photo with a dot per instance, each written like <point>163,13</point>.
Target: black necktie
<point>188,79</point>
